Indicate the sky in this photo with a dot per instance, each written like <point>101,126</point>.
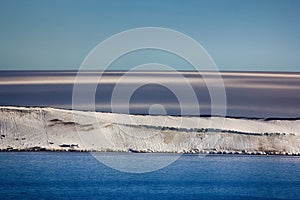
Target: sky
<point>241,35</point>
<point>248,94</point>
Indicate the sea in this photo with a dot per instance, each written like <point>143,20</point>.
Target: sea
<point>78,175</point>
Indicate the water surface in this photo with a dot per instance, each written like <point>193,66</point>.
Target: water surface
<point>68,175</point>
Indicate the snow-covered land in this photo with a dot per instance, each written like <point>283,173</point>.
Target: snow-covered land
<point>57,129</point>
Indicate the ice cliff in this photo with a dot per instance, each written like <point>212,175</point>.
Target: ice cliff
<point>57,129</point>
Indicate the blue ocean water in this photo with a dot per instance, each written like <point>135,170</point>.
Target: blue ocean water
<point>69,175</point>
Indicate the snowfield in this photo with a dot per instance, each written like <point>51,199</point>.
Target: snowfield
<point>68,130</point>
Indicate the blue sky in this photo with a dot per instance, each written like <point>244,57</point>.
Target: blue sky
<point>243,35</point>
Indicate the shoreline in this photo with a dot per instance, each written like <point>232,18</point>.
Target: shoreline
<point>193,152</point>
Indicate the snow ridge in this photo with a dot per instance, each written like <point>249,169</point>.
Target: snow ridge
<point>24,128</point>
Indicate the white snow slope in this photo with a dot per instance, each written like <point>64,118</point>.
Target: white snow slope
<point>57,129</point>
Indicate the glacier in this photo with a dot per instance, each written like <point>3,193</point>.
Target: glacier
<point>53,129</point>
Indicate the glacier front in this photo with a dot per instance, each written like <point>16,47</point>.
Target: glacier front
<point>27,129</point>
